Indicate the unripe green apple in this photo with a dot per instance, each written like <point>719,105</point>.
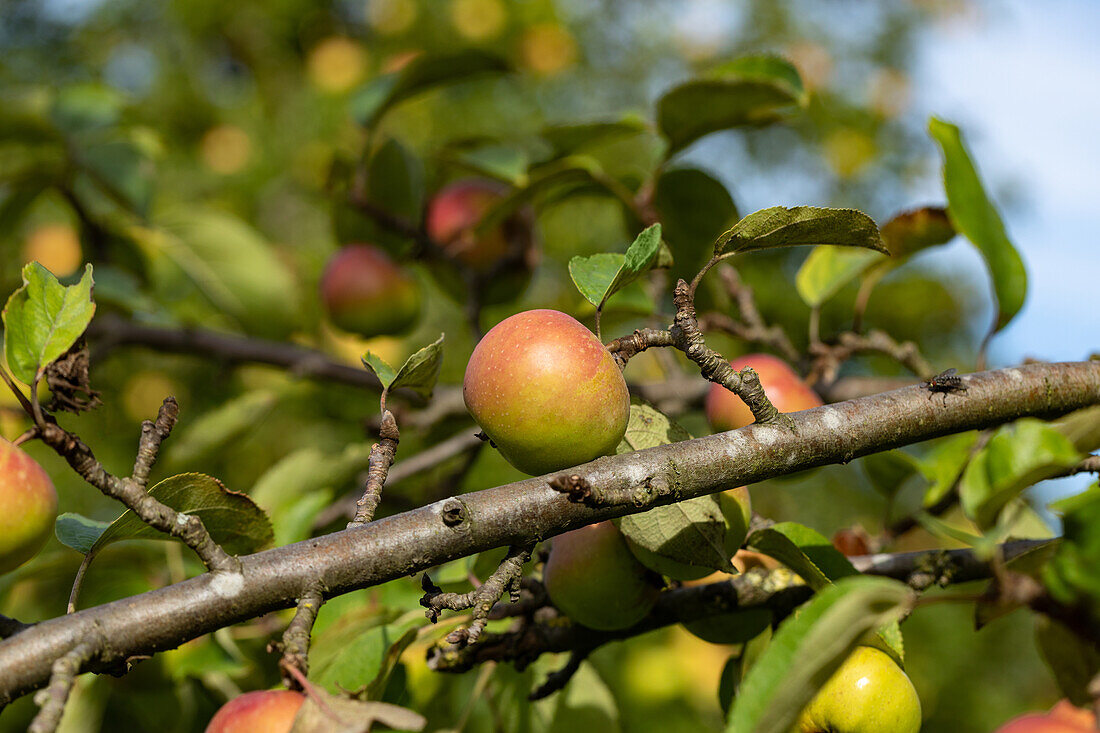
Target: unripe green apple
<point>593,579</point>
<point>785,389</point>
<point>366,293</point>
<point>1062,718</point>
<point>28,507</point>
<point>452,218</point>
<point>546,392</point>
<point>869,693</point>
<point>260,711</point>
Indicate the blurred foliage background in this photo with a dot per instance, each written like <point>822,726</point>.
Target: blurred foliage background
<point>194,152</point>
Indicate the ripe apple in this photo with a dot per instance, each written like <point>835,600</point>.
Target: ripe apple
<point>365,292</point>
<point>452,218</point>
<point>593,579</point>
<point>260,711</point>
<point>28,507</point>
<point>786,390</point>
<point>1062,718</point>
<point>869,693</point>
<point>546,392</point>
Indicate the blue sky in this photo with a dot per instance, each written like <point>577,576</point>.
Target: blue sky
<point>1021,80</point>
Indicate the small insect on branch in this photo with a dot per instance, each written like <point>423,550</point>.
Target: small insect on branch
<point>945,383</point>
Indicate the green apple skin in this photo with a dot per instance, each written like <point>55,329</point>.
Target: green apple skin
<point>736,508</point>
<point>785,389</point>
<point>869,693</point>
<point>546,392</point>
<point>593,579</point>
<point>452,217</point>
<point>260,711</point>
<point>366,293</point>
<point>1064,717</point>
<point>28,507</point>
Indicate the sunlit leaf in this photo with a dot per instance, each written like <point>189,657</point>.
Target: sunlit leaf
<point>600,276</point>
<point>780,226</point>
<point>975,216</point>
<point>43,319</point>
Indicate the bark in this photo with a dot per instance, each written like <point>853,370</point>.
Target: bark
<point>526,511</point>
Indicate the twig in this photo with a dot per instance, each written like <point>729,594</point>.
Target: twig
<point>827,358</point>
<point>425,460</point>
<point>381,456</point>
<point>687,337</point>
<point>505,579</point>
<point>751,327</point>
<point>558,679</point>
<point>626,347</point>
<point>62,676</point>
<point>295,643</point>
<point>778,590</point>
<point>131,490</point>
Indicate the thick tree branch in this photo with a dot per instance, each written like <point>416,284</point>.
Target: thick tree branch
<point>529,510</point>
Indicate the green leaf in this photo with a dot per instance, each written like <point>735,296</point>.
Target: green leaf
<point>83,107</point>
<point>809,646</point>
<point>300,485</point>
<point>1017,456</point>
<point>646,427</point>
<point>1073,660</point>
<point>749,91</point>
<point>1072,576</point>
<point>502,162</point>
<point>43,319</point>
<point>395,180</point>
<point>421,370</point>
<point>802,225</point>
<point>912,231</point>
<point>121,170</point>
<point>228,262</point>
<point>803,550</point>
<point>350,653</point>
<point>688,539</point>
<point>694,208</point>
<point>888,471</point>
<point>232,519</point>
<point>425,72</point>
<point>600,276</point>
<point>569,139</point>
<point>377,686</point>
<point>975,216</point>
<point>378,366</point>
<point>222,426</point>
<point>828,269</point>
<point>943,465</point>
<point>78,532</point>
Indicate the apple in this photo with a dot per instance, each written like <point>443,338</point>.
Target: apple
<point>452,218</point>
<point>260,711</point>
<point>546,392</point>
<point>1062,718</point>
<point>366,293</point>
<point>593,579</point>
<point>869,693</point>
<point>786,390</point>
<point>28,507</point>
